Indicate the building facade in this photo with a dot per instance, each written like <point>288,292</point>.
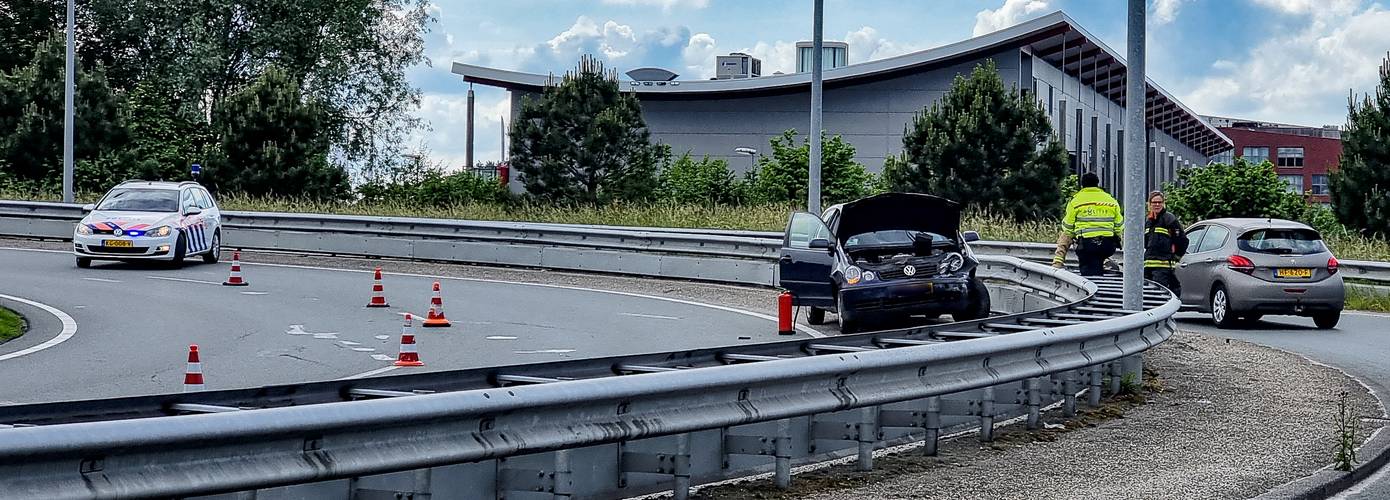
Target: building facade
<point>1303,161</point>
<point>1076,79</point>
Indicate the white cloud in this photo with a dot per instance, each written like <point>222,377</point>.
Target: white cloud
<point>698,56</point>
<point>666,5</point>
<point>1314,7</point>
<point>1302,77</point>
<point>776,56</point>
<point>865,45</point>
<point>1009,14</point>
<point>1166,11</point>
<point>447,115</point>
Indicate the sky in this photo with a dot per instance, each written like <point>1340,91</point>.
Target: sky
<point>1288,61</point>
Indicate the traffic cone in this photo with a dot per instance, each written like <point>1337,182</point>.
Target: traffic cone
<point>408,356</point>
<point>235,278</point>
<point>378,293</point>
<point>193,375</point>
<point>436,316</point>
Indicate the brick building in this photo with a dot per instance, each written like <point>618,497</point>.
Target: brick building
<point>1303,156</point>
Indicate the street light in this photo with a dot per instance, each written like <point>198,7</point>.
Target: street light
<point>749,152</point>
<point>67,110</point>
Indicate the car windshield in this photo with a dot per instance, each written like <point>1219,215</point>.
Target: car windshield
<point>141,200</point>
<point>1282,242</point>
<point>894,238</point>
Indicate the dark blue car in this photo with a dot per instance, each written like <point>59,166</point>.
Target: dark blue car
<point>882,257</point>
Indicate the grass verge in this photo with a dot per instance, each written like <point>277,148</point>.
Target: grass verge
<point>11,325</point>
<point>1364,298</point>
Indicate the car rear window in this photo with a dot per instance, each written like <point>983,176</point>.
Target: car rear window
<point>1282,242</point>
<point>141,200</point>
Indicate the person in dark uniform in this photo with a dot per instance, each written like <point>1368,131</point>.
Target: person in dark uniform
<point>1164,243</point>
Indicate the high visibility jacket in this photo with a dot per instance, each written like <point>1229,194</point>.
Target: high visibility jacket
<point>1093,213</point>
<point>1164,241</point>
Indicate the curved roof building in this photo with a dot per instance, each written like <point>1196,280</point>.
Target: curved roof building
<point>1077,79</point>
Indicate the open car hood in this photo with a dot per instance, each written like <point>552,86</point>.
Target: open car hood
<point>902,211</point>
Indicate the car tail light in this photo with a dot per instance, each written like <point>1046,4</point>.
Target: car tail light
<point>1240,263</point>
<point>1332,265</point>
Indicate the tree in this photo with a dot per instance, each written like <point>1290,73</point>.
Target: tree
<point>985,146</point>
<point>782,177</point>
<point>1361,186</point>
<point>704,181</point>
<point>275,141</point>
<point>584,141</point>
<point>1242,189</point>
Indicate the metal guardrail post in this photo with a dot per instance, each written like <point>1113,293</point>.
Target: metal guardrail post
<point>1034,403</point>
<point>929,444</point>
<point>1069,393</point>
<point>1116,374</point>
<point>783,454</point>
<point>563,478</point>
<point>1134,365</point>
<point>868,435</point>
<point>421,489</point>
<point>987,415</point>
<point>1094,392</point>
<point>680,490</point>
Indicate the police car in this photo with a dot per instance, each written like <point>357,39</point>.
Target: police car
<point>143,220</point>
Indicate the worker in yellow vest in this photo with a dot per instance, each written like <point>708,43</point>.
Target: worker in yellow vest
<point>1094,222</point>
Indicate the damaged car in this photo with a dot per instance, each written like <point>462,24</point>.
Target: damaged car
<point>884,257</point>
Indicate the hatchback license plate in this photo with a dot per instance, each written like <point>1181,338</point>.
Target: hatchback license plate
<point>1290,272</point>
<point>118,243</point>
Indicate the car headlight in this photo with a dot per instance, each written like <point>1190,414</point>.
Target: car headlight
<point>83,229</point>
<point>869,276</point>
<point>159,232</point>
<point>951,263</point>
<point>853,275</point>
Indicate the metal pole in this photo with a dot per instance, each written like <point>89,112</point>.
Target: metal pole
<point>813,182</point>
<point>67,109</point>
<point>468,135</point>
<point>1135,92</point>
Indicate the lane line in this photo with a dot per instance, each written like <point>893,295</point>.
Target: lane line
<point>69,328</point>
<point>377,371</point>
<point>103,280</point>
<point>184,280</point>
<point>652,316</point>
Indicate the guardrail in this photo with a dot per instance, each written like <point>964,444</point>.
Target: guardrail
<point>599,428</point>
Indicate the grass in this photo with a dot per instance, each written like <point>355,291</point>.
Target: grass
<point>11,325</point>
<point>1362,298</point>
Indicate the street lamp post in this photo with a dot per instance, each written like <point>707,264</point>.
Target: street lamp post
<point>750,153</point>
<point>1135,138</point>
<point>813,179</point>
<point>67,110</point>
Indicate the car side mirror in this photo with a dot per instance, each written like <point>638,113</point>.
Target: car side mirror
<point>88,208</point>
<point>970,236</point>
<point>192,211</point>
<point>822,244</point>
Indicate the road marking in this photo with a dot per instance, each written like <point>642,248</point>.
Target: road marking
<point>184,280</point>
<point>103,280</point>
<point>255,293</point>
<point>500,337</point>
<point>1380,476</point>
<point>69,328</point>
<point>377,371</point>
<point>545,351</point>
<point>652,316</point>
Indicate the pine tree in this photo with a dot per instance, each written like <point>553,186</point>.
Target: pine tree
<point>1361,186</point>
<point>985,146</point>
<point>584,141</point>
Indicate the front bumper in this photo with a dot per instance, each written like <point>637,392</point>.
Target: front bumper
<point>93,246</point>
<point>930,296</point>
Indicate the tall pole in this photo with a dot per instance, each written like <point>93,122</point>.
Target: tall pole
<point>1135,138</point>
<point>468,140</point>
<point>67,110</point>
<point>813,186</point>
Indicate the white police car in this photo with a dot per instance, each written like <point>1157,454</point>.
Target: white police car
<point>142,220</point>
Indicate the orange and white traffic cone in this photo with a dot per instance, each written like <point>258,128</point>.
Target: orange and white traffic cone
<point>408,355</point>
<point>235,278</point>
<point>378,292</point>
<point>436,316</point>
<point>193,375</point>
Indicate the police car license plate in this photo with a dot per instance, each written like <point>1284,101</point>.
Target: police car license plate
<point>1292,272</point>
<point>118,243</point>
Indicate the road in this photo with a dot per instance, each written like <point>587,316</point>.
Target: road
<point>295,324</point>
<point>1360,346</point>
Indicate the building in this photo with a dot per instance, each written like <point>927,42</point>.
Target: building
<point>737,65</point>
<point>833,55</point>
<point>1304,156</point>
<point>1078,81</point>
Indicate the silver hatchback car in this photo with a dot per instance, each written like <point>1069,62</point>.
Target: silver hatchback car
<point>1243,269</point>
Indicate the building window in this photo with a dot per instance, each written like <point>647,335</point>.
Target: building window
<point>1224,158</point>
<point>1255,154</point>
<point>1291,157</point>
<point>1320,184</point>
<point>1293,181</point>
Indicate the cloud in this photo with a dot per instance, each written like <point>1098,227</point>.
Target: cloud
<point>1302,77</point>
<point>620,45</point>
<point>1009,14</point>
<point>776,56</point>
<point>665,5</point>
<point>1166,11</point>
<point>865,45</point>
<point>447,114</point>
<point>698,56</point>
<point>1314,7</point>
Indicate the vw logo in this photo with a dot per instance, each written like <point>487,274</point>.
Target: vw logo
<point>118,232</point>
<point>909,270</point>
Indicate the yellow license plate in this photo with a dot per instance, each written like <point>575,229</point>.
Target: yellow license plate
<point>117,243</point>
<point>1294,273</point>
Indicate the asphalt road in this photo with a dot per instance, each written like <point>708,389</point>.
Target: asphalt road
<point>296,324</point>
<point>1360,346</point>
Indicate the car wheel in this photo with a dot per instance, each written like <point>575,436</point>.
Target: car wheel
<point>216,251</point>
<point>84,262</point>
<point>1327,320</point>
<point>815,316</point>
<point>1221,313</point>
<point>979,302</point>
<point>848,322</point>
<point>180,250</point>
